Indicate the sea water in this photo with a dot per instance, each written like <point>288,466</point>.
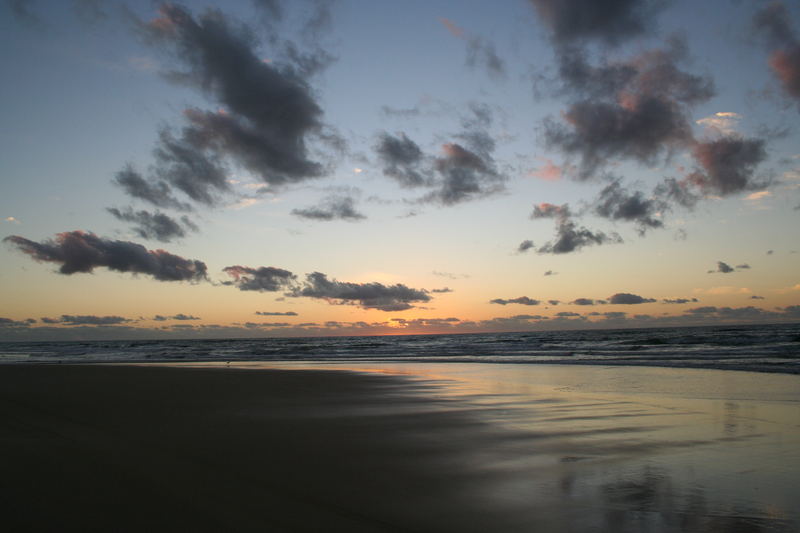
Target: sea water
<point>764,348</point>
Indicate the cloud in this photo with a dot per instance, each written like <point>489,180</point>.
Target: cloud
<point>772,22</point>
<point>569,237</point>
<point>179,316</point>
<point>550,273</point>
<point>451,26</point>
<point>449,275</point>
<point>464,171</point>
<point>583,301</point>
<point>152,191</point>
<point>524,246</point>
<point>722,268</point>
<point>679,300</point>
<point>465,174</point>
<point>443,290</point>
<point>564,314</point>
<point>626,298</point>
<point>727,165</point>
<point>79,251</point>
<point>12,220</point>
<point>262,279</point>
<point>373,295</point>
<point>276,313</point>
<point>722,123</point>
<point>158,226</point>
<point>479,50</point>
<point>90,11</point>
<point>522,300</point>
<point>332,208</point>
<point>671,191</point>
<point>611,22</point>
<point>633,110</point>
<point>268,109</point>
<point>11,323</point>
<point>724,290</point>
<point>755,297</point>
<point>21,10</point>
<point>758,195</point>
<point>616,203</point>
<point>186,165</point>
<point>549,172</point>
<point>84,320</point>
<point>402,159</point>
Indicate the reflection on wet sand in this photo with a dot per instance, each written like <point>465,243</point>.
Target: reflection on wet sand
<point>462,448</point>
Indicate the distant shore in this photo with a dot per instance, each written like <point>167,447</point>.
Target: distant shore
<point>166,448</point>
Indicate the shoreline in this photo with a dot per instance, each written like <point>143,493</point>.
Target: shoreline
<point>468,448</point>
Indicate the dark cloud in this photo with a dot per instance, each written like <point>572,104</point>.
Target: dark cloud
<point>271,8</point>
<point>158,226</point>
<point>524,246</point>
<point>616,203</point>
<point>671,191</point>
<point>181,316</point>
<point>481,52</point>
<point>626,298</point>
<point>727,165</point>
<point>743,266</point>
<point>550,273</point>
<point>583,301</point>
<point>754,297</point>
<point>705,310</point>
<point>276,313</point>
<point>10,323</point>
<point>679,300</point>
<point>554,302</point>
<point>522,300</point>
<point>466,174</point>
<point>23,11</point>
<point>402,159</point>
<point>772,21</point>
<point>722,268</point>
<point>267,279</point>
<point>268,111</point>
<point>320,19</point>
<point>79,251</point>
<point>187,166</point>
<point>87,320</point>
<point>611,21</point>
<point>792,310</point>
<point>569,236</point>
<point>564,314</point>
<point>373,295</point>
<point>442,290</point>
<point>90,11</point>
<point>636,110</point>
<point>332,208</point>
<point>465,171</point>
<point>153,191</point>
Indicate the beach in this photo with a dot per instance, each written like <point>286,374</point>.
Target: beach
<point>415,447</point>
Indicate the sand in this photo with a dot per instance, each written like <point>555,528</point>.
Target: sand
<point>397,448</point>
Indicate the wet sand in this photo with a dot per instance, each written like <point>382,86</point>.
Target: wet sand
<point>397,448</point>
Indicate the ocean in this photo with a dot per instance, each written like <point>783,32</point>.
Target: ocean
<point>762,348</point>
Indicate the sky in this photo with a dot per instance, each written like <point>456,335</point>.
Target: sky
<point>261,168</point>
